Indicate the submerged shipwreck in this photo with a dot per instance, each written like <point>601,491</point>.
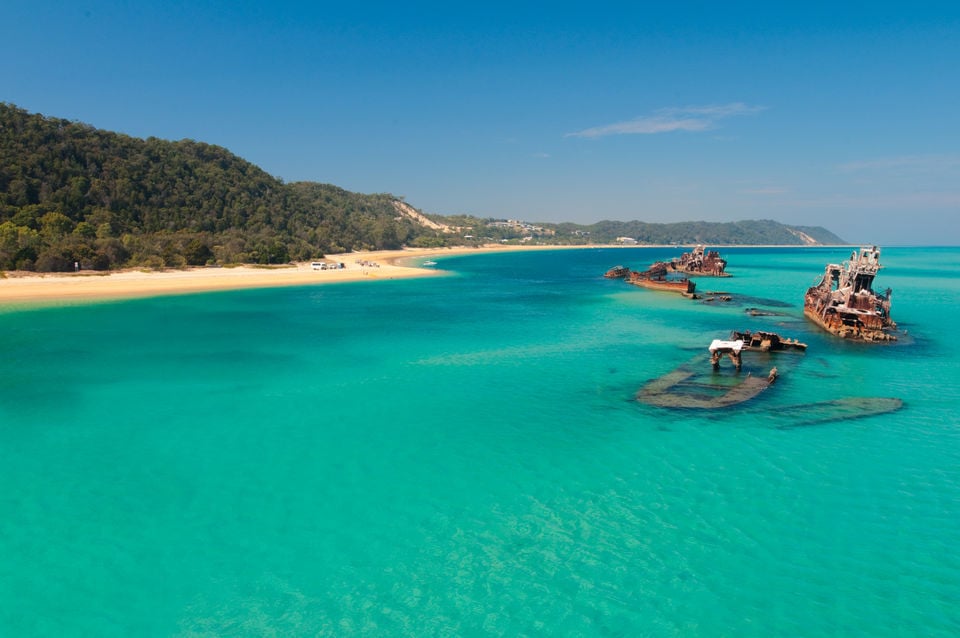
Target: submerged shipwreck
<point>693,385</point>
<point>844,303</point>
<point>820,412</point>
<point>701,262</point>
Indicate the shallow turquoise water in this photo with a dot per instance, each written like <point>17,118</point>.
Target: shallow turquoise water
<point>464,456</point>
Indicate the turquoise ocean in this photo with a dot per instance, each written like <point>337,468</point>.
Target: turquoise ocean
<point>464,455</point>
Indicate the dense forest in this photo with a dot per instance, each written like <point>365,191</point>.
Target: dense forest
<point>71,193</point>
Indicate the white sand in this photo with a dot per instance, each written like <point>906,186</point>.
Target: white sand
<point>33,288</point>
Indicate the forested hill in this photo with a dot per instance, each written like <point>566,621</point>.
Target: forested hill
<point>72,193</point>
<point>763,231</point>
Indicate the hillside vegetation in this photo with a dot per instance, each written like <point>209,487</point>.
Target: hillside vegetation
<point>71,193</point>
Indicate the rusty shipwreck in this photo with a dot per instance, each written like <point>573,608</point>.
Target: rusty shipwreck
<point>700,262</point>
<point>659,277</point>
<point>617,272</point>
<point>766,341</point>
<point>693,385</point>
<point>844,302</point>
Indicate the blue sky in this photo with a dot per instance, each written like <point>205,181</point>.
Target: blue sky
<point>843,116</point>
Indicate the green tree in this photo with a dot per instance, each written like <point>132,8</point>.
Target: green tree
<point>85,230</point>
<point>55,225</point>
<point>197,252</point>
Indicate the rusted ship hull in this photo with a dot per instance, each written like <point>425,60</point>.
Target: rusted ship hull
<point>766,341</point>
<point>844,304</point>
<point>617,272</point>
<point>850,324</point>
<point>700,262</point>
<point>656,277</point>
<point>683,286</point>
<point>698,273</point>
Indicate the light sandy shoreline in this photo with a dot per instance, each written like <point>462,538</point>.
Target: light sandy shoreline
<point>18,289</point>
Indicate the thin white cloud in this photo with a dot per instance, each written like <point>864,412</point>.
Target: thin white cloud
<point>645,126</point>
<point>541,155</point>
<point>717,111</point>
<point>689,118</point>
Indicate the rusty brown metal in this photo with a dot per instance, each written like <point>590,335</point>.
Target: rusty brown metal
<point>657,277</point>
<point>766,341</point>
<point>844,303</point>
<point>617,272</point>
<point>700,262</point>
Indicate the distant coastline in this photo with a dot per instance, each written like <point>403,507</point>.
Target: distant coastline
<point>113,202</point>
<point>22,289</point>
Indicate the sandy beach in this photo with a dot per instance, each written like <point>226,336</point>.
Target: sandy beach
<point>20,288</point>
<point>34,289</point>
